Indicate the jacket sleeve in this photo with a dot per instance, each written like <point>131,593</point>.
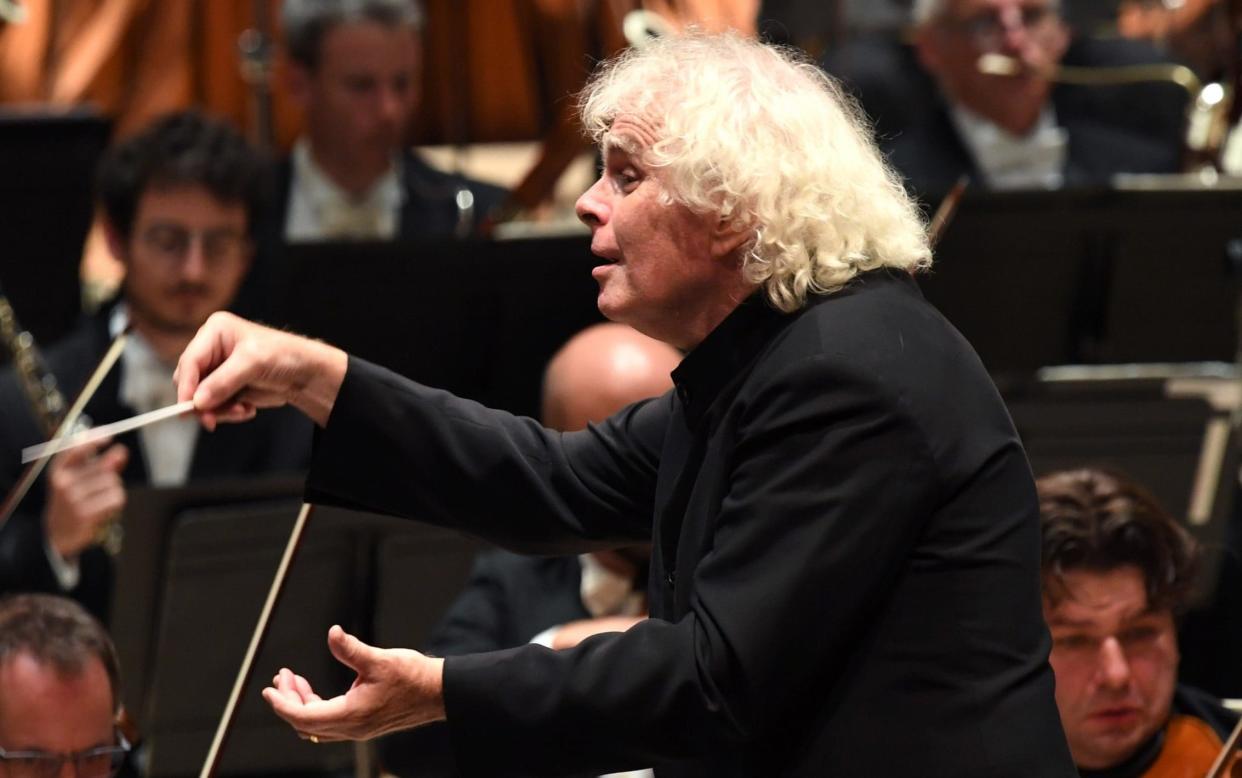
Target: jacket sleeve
<point>830,483</point>
<point>396,447</point>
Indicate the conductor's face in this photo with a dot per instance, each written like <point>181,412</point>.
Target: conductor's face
<point>660,263</point>
<point>1115,660</point>
<point>184,259</point>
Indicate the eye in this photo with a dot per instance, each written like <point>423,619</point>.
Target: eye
<point>626,179</point>
<point>1140,634</point>
<point>1073,642</point>
<point>359,84</point>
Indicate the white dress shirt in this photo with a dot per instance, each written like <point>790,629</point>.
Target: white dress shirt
<point>167,447</point>
<point>1032,161</point>
<point>319,209</point>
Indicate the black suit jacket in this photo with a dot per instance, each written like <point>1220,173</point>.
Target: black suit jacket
<point>277,441</point>
<point>845,577</point>
<point>430,209</point>
<point>429,213</point>
<point>1116,129</point>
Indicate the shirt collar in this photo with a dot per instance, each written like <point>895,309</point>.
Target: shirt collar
<point>1034,160</point>
<point>738,340</point>
<point>324,192</point>
<point>725,351</point>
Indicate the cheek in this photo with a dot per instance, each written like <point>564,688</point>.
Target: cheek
<point>1073,675</point>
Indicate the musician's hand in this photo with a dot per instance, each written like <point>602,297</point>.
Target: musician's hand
<point>84,492</point>
<point>233,367</point>
<point>395,689</point>
<point>572,633</point>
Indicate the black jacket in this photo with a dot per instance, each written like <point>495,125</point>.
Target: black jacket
<point>845,577</point>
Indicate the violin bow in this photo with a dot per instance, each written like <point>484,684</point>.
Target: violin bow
<point>946,211</point>
<point>35,468</point>
<point>1222,759</point>
<point>212,762</point>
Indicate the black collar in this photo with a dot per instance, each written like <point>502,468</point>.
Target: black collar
<point>1136,765</point>
<point>745,332</point>
<point>723,354</point>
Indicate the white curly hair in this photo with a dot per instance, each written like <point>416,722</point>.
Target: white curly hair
<point>766,139</point>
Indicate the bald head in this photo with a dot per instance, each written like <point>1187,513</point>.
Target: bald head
<point>600,371</point>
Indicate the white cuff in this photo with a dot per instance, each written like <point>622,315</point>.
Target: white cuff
<point>67,571</point>
<point>546,637</point>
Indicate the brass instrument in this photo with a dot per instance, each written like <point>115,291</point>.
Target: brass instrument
<point>1207,115</point>
<point>46,400</point>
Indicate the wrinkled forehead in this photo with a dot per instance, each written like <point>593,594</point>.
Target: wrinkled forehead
<point>632,134</point>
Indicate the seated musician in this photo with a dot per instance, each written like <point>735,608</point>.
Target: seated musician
<point>1117,570</point>
<point>511,599</point>
<point>59,691</point>
<point>180,202</point>
<point>354,71</point>
<point>938,117</point>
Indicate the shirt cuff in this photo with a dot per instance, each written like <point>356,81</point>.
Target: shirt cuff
<point>546,637</point>
<point>67,571</point>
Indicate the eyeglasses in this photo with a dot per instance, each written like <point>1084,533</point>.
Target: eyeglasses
<point>987,30</point>
<point>100,762</point>
<point>172,243</point>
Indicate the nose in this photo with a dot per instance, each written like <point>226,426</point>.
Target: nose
<point>592,207</point>
<point>1114,668</point>
<point>194,268</point>
<point>391,103</point>
<point>1012,29</point>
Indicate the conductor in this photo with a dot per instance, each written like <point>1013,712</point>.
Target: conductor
<point>845,577</point>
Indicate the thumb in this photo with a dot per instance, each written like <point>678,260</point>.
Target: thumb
<point>350,651</point>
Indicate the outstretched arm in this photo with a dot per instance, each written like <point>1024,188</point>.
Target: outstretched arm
<point>232,367</point>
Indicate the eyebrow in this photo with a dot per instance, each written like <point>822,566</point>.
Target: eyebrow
<point>612,142</point>
<point>1063,621</point>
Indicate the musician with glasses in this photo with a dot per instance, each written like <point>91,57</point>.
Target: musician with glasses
<point>59,691</point>
<point>939,117</point>
<point>181,202</point>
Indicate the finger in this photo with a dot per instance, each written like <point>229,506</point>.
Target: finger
<point>304,689</point>
<point>83,486</point>
<point>115,458</point>
<point>77,456</point>
<point>291,683</point>
<point>206,349</point>
<point>100,511</point>
<point>350,651</point>
<point>319,717</point>
<point>230,377</point>
<point>234,412</point>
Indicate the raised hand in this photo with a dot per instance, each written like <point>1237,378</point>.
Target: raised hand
<point>395,689</point>
<point>233,367</point>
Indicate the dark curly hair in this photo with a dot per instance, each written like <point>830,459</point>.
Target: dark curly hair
<point>56,631</point>
<point>1100,520</point>
<point>183,148</point>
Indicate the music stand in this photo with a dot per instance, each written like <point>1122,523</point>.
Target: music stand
<point>47,164</point>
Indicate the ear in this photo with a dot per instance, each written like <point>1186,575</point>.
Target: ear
<point>926,42</point>
<point>1060,43</point>
<point>729,237</point>
<point>298,82</point>
<point>117,244</point>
